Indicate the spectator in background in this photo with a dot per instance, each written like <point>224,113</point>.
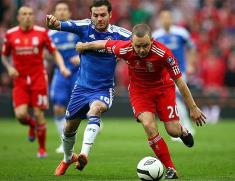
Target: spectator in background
<point>122,78</point>
<point>229,78</point>
<point>212,72</point>
<point>211,22</point>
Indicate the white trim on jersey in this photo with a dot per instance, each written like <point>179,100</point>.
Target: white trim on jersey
<point>125,50</point>
<point>65,46</point>
<point>39,28</point>
<point>52,32</point>
<point>13,29</point>
<point>176,30</point>
<point>82,22</point>
<point>122,31</point>
<point>176,69</point>
<point>158,51</point>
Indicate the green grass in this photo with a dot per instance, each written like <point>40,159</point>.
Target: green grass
<point>118,148</point>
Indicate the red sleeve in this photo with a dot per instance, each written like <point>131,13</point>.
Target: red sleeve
<point>6,47</point>
<point>113,46</point>
<point>49,44</point>
<point>172,65</point>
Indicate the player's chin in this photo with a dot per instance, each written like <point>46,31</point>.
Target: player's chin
<point>142,55</point>
<point>101,27</point>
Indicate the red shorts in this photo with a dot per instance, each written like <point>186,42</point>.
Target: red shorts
<point>160,101</point>
<point>31,90</point>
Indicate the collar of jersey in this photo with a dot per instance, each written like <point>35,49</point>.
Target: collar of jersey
<point>109,29</point>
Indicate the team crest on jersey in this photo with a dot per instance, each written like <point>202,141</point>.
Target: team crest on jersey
<point>171,61</point>
<point>35,40</point>
<point>149,66</point>
<point>26,41</point>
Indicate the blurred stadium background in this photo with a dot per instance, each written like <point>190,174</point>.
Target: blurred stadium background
<point>211,79</point>
<point>212,27</point>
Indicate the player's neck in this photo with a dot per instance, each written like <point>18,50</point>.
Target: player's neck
<point>102,30</point>
<point>26,28</point>
<point>167,28</point>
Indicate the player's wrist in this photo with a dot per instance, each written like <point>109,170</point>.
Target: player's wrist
<point>194,106</point>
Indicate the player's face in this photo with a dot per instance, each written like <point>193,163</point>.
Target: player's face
<point>166,19</point>
<point>25,17</point>
<point>62,12</point>
<point>142,45</point>
<point>100,17</point>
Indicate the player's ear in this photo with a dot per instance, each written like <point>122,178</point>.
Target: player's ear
<point>18,18</point>
<point>110,14</point>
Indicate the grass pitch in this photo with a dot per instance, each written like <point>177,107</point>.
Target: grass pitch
<point>118,148</point>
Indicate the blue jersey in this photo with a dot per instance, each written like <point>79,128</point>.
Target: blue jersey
<point>177,39</point>
<point>61,87</point>
<point>96,67</point>
<point>65,43</point>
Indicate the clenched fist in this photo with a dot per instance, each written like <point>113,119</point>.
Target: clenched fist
<point>52,22</point>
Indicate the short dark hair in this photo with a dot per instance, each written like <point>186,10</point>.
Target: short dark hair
<point>62,2</point>
<point>98,3</point>
<point>140,30</point>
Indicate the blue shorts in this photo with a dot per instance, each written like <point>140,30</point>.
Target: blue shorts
<point>82,98</point>
<point>61,88</point>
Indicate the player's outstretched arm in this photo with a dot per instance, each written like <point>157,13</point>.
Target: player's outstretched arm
<point>10,69</point>
<point>60,62</point>
<point>52,22</point>
<point>94,45</point>
<point>195,113</point>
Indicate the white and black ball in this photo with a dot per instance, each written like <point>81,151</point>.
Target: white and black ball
<point>150,168</point>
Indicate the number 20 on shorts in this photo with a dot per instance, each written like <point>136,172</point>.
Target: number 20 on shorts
<point>173,111</point>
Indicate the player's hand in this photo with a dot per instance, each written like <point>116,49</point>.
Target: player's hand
<point>13,73</point>
<point>64,71</point>
<point>52,22</point>
<point>197,116</point>
<point>75,60</point>
<point>80,47</point>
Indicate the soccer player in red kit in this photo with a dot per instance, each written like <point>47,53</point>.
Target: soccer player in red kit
<point>26,43</point>
<point>153,72</point>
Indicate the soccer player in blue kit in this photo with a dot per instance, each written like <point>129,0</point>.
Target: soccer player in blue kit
<point>93,91</point>
<point>178,40</point>
<point>61,87</point>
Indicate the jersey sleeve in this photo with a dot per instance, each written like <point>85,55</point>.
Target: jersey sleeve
<point>171,64</point>
<point>113,46</point>
<point>124,34</point>
<point>77,27</point>
<point>6,47</point>
<point>48,43</point>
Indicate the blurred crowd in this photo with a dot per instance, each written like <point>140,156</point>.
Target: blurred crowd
<point>210,22</point>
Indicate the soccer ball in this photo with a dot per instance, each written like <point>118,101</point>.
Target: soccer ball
<point>150,168</point>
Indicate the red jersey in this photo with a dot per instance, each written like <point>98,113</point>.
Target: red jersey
<point>26,48</point>
<point>157,69</point>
